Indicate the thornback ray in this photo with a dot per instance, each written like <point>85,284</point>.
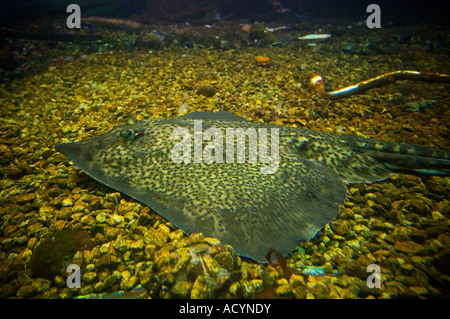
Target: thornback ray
<point>233,201</point>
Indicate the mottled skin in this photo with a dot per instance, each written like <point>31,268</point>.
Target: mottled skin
<point>234,201</point>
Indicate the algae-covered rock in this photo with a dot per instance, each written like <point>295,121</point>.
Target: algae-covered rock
<point>54,253</point>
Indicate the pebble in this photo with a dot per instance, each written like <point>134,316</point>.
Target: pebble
<point>89,277</point>
<point>408,247</point>
<point>437,216</point>
<point>418,206</point>
<point>79,206</point>
<point>102,218</point>
<point>181,289</point>
<point>297,286</point>
<point>341,227</point>
<point>354,243</point>
<point>202,288</point>
<point>67,202</point>
<point>376,224</point>
<point>283,289</point>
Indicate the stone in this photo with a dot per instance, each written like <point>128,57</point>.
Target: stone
<point>41,285</point>
<point>320,291</point>
<point>283,289</point>
<point>354,244</point>
<point>341,227</point>
<point>128,282</point>
<point>202,288</point>
<point>88,220</point>
<point>102,218</point>
<point>317,259</point>
<point>376,224</point>
<point>107,262</point>
<point>89,277</point>
<point>79,206</point>
<point>137,245</point>
<point>297,286</point>
<point>437,216</point>
<point>67,202</point>
<point>408,246</point>
<point>418,206</point>
<point>181,289</point>
<point>121,244</point>
<point>27,291</point>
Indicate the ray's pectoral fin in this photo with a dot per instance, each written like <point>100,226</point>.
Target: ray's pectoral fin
<point>300,199</point>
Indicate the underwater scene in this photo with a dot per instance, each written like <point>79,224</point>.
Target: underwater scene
<point>206,149</point>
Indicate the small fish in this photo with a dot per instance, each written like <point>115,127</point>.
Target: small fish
<point>233,201</point>
<point>315,37</point>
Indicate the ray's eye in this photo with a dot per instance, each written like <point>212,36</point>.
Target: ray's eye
<point>127,135</point>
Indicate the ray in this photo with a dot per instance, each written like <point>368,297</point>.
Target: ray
<point>252,202</point>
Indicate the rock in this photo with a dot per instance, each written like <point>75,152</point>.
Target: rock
<point>314,271</point>
<point>358,199</point>
<point>297,286</point>
<point>354,244</point>
<point>67,202</point>
<point>102,218</point>
<point>181,289</point>
<point>27,291</point>
<point>353,269</point>
<point>418,206</point>
<point>115,219</point>
<point>88,220</point>
<point>417,235</point>
<point>381,254</point>
<point>57,250</point>
<point>362,230</point>
<point>270,276</point>
<point>137,245</point>
<point>202,288</point>
<point>175,235</point>
<point>41,285</point>
<point>320,291</point>
<point>421,291</point>
<point>376,224</point>
<point>408,247</point>
<point>341,227</point>
<point>157,237</point>
<point>437,216</point>
<point>252,287</point>
<point>26,198</point>
<point>434,231</point>
<point>207,91</point>
<point>128,283</point>
<point>89,277</point>
<point>283,288</point>
<point>366,260</point>
<point>121,244</point>
<point>107,262</point>
<point>79,206</point>
<point>113,198</point>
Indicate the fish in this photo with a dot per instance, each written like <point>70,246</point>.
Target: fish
<point>315,37</point>
<point>238,202</point>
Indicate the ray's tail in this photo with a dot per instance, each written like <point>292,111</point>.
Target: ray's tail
<point>409,157</point>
